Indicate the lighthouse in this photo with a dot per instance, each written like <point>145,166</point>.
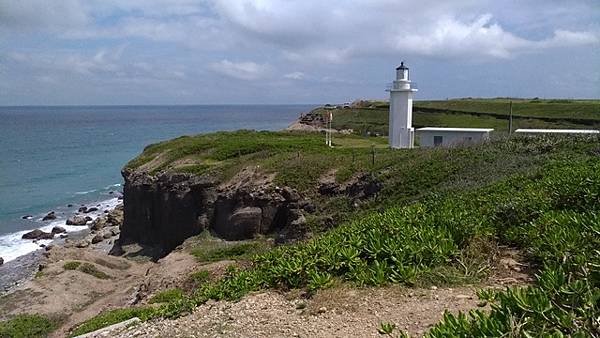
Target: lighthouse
<point>401,132</point>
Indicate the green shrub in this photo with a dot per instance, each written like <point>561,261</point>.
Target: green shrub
<point>240,250</point>
<point>72,265</point>
<point>113,317</point>
<point>167,296</point>
<point>27,326</point>
<point>91,269</point>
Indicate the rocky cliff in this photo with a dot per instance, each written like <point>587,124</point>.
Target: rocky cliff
<point>163,210</point>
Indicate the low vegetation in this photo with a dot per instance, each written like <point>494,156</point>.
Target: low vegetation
<point>113,317</point>
<point>475,113</point>
<point>165,296</point>
<point>439,219</point>
<point>27,326</point>
<point>88,268</point>
<point>224,250</point>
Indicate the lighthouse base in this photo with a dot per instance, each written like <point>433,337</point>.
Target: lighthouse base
<point>402,138</point>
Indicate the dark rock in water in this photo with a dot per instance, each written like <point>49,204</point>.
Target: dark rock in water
<point>37,234</point>
<point>106,211</point>
<point>92,209</point>
<point>82,209</point>
<point>111,192</point>
<point>58,230</point>
<point>76,220</point>
<point>69,205</point>
<point>64,236</point>
<point>88,218</point>
<point>120,198</point>
<point>1,260</point>
<point>49,216</point>
<point>97,239</point>
<point>27,217</point>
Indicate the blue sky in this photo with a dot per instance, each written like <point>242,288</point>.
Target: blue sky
<point>288,51</point>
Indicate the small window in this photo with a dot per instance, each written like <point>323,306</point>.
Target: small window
<point>437,141</point>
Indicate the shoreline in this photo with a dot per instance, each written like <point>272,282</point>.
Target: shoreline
<point>17,271</point>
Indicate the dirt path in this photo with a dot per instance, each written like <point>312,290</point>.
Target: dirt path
<point>341,312</point>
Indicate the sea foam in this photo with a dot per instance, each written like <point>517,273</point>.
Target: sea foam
<point>13,246</point>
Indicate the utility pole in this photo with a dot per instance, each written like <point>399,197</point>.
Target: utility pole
<point>510,120</point>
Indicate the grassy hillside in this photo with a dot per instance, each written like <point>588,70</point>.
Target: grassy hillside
<point>477,113</point>
<point>440,219</point>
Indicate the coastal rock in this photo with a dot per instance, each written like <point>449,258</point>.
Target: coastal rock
<point>49,216</point>
<point>98,224</point>
<point>84,243</point>
<point>1,260</point>
<point>163,210</point>
<point>88,218</point>
<point>58,230</point>
<point>76,220</point>
<point>37,234</point>
<point>97,239</point>
<point>244,223</point>
<point>92,209</point>
<point>82,209</point>
<point>27,217</point>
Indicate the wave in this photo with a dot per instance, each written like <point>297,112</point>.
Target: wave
<point>85,192</point>
<point>12,246</point>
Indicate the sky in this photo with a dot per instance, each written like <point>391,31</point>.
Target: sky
<point>288,51</point>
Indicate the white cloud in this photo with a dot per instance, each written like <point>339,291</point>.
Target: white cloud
<point>240,70</point>
<point>295,76</point>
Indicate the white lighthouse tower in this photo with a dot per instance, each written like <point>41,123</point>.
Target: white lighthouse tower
<point>401,133</point>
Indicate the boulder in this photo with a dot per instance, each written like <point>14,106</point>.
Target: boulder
<point>69,205</point>
<point>97,239</point>
<point>84,243</point>
<point>49,216</point>
<point>98,224</point>
<point>76,220</point>
<point>244,223</point>
<point>58,230</point>
<point>92,209</point>
<point>27,217</point>
<point>82,209</point>
<point>88,218</point>
<point>107,235</point>
<point>290,194</point>
<point>329,188</point>
<point>1,260</point>
<point>37,234</point>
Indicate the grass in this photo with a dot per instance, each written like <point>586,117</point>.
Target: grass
<point>72,265</point>
<point>200,277</point>
<point>166,296</point>
<point>88,268</point>
<point>113,317</point>
<point>438,219</point>
<point>228,251</point>
<point>27,326</point>
<point>477,113</point>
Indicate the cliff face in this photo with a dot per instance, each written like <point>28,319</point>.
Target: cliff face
<point>163,210</point>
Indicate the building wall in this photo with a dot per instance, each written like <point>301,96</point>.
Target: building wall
<point>450,138</point>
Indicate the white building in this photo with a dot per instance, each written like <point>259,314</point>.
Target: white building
<point>555,131</point>
<point>401,132</point>
<point>448,137</point>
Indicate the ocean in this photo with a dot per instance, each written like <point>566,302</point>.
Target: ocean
<point>55,156</point>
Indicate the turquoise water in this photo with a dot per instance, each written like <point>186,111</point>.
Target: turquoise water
<point>54,156</point>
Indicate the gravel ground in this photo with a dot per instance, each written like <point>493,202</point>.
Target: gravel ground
<point>341,312</point>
